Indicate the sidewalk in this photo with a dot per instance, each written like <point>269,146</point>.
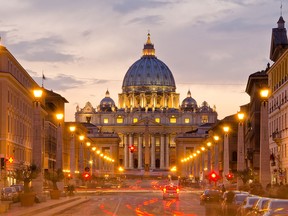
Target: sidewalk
<point>48,207</point>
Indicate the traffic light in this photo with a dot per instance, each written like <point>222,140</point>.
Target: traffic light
<point>86,176</point>
<point>132,148</point>
<point>229,176</point>
<point>213,176</point>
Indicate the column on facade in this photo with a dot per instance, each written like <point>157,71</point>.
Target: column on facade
<point>167,152</point>
<point>81,158</point>
<point>130,154</point>
<point>209,159</point>
<point>264,171</point>
<point>240,152</point>
<point>226,156</point>
<point>59,153</point>
<point>162,151</point>
<point>72,155</point>
<point>216,158</point>
<point>140,148</point>
<point>153,151</point>
<point>126,145</point>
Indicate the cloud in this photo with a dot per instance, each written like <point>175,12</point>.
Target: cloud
<point>129,6</point>
<point>61,82</point>
<point>151,20</point>
<point>46,49</point>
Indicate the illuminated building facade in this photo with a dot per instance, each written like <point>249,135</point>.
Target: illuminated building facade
<point>149,117</point>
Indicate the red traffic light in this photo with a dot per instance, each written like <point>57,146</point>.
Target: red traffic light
<point>132,148</point>
<point>229,176</point>
<point>86,175</point>
<point>213,176</point>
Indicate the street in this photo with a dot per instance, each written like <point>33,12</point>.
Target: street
<point>138,203</point>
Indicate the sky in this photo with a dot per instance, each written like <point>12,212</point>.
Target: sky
<point>86,47</point>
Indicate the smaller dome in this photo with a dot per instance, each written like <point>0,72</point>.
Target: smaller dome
<point>107,103</point>
<point>205,107</point>
<point>189,103</point>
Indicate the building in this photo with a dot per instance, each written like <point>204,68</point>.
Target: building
<point>149,117</point>
<point>278,106</point>
<point>29,131</point>
<point>256,82</point>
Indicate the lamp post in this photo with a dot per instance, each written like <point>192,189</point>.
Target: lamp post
<point>81,155</point>
<point>240,147</point>
<point>209,166</point>
<point>59,150</point>
<point>72,152</point>
<point>38,152</point>
<point>216,154</point>
<point>226,152</point>
<point>264,171</point>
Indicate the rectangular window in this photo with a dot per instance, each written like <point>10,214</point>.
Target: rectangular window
<point>157,120</point>
<point>173,120</point>
<point>204,119</point>
<point>135,120</point>
<point>186,120</point>
<point>105,121</point>
<point>119,120</point>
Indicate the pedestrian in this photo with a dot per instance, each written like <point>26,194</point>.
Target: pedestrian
<point>223,189</point>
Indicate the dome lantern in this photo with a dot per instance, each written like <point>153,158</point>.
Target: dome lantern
<point>148,49</point>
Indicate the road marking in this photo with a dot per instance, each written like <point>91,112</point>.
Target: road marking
<point>117,207</point>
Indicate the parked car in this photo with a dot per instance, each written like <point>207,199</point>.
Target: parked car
<point>247,205</point>
<point>257,208</point>
<point>210,196</point>
<point>19,188</point>
<point>170,191</point>
<point>230,207</point>
<point>275,207</point>
<point>9,193</point>
<point>224,196</point>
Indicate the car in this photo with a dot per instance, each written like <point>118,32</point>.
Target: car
<point>170,191</point>
<point>232,203</point>
<point>235,192</point>
<point>257,208</point>
<point>275,207</point>
<point>247,205</point>
<point>210,196</point>
<point>9,193</point>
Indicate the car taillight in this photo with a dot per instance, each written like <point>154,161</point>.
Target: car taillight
<point>177,190</point>
<point>164,190</point>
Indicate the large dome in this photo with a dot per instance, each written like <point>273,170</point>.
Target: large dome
<point>148,73</point>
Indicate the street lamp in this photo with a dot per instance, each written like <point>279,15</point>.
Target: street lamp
<point>240,146</point>
<point>59,159</point>
<point>264,171</point>
<point>226,152</point>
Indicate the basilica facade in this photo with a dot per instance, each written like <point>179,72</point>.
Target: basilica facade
<point>149,118</point>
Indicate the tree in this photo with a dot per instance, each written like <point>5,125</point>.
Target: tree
<point>54,177</point>
<point>245,175</point>
<point>26,173</point>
